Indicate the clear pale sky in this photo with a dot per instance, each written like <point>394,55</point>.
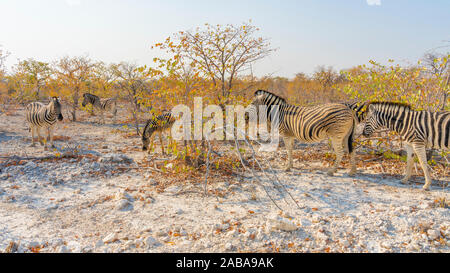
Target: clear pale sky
<point>341,33</point>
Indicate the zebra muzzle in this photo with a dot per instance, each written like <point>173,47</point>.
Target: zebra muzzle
<point>60,117</point>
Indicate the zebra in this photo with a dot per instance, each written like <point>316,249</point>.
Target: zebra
<point>419,129</point>
<point>358,108</point>
<point>158,124</point>
<point>312,124</point>
<point>101,104</point>
<point>40,116</point>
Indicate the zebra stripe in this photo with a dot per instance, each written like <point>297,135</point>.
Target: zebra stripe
<point>40,116</point>
<point>156,124</point>
<point>100,104</point>
<point>311,124</point>
<point>357,107</point>
<point>419,129</point>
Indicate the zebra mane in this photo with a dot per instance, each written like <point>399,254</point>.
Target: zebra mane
<point>92,95</point>
<point>388,103</point>
<point>267,93</point>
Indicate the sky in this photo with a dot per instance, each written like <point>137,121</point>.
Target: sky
<point>306,33</point>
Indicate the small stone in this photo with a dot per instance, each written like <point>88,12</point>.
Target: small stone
<point>110,238</point>
<point>99,243</point>
<point>283,224</point>
<point>150,241</point>
<point>179,211</point>
<point>433,234</point>
<point>229,246</point>
<point>305,223</point>
<point>74,246</point>
<point>63,249</point>
<point>123,204</point>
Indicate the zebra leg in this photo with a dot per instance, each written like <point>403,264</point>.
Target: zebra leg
<point>50,136</point>
<point>289,142</point>
<point>422,156</point>
<point>409,163</point>
<point>32,136</point>
<point>339,150</point>
<point>151,143</point>
<point>162,144</point>
<point>352,164</point>
<point>38,131</point>
<point>103,116</point>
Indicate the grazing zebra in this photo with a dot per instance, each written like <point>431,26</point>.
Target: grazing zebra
<point>101,104</point>
<point>158,124</point>
<point>43,116</point>
<point>312,124</point>
<point>419,129</point>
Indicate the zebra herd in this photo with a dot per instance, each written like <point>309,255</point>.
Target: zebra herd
<point>418,129</point>
<point>334,121</point>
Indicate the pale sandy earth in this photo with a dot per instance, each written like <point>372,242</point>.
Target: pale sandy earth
<point>94,205</point>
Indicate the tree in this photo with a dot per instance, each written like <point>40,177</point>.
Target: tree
<point>438,65</point>
<point>132,80</point>
<point>220,53</point>
<point>35,75</point>
<point>74,74</point>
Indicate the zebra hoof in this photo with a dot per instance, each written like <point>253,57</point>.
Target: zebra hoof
<point>287,169</point>
<point>33,145</point>
<point>352,173</point>
<point>330,173</point>
<point>426,188</point>
<point>404,181</point>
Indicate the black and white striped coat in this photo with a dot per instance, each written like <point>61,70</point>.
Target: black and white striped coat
<point>419,129</point>
<point>335,121</point>
<point>158,124</point>
<point>101,105</point>
<point>43,116</point>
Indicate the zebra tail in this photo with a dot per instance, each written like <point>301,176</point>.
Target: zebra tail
<point>352,134</point>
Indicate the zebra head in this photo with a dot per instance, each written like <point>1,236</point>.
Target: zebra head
<point>57,108</point>
<point>372,122</point>
<point>85,99</point>
<point>265,105</point>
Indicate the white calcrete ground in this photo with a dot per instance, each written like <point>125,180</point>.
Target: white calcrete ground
<point>102,203</point>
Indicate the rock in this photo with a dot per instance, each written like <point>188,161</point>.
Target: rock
<point>99,243</point>
<point>433,234</point>
<point>229,246</point>
<point>33,244</point>
<point>110,238</point>
<point>179,211</point>
<point>173,189</point>
<point>116,158</point>
<point>74,246</point>
<point>123,205</point>
<point>63,249</point>
<point>150,241</point>
<point>283,224</point>
<point>305,222</point>
<point>345,243</point>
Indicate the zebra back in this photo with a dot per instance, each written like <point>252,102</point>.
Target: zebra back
<point>429,128</point>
